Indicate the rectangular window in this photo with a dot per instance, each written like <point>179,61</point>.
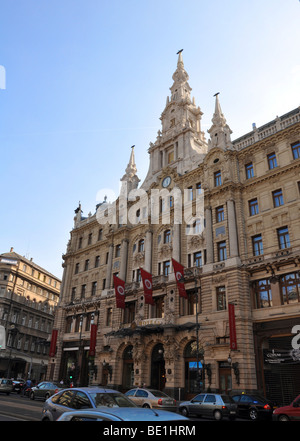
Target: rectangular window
<point>86,265</point>
<point>90,238</point>
<point>77,268</point>
<point>296,150</point>
<point>190,193</point>
<point>222,253</point>
<point>170,157</point>
<point>94,288</point>
<point>73,294</point>
<point>221,298</point>
<point>217,178</point>
<point>283,238</point>
<point>97,261</point>
<point>83,289</point>
<point>249,170</point>
<point>257,245</point>
<point>118,251</point>
<point>272,161</point>
<point>80,243</point>
<point>166,268</point>
<point>129,312</point>
<point>220,214</point>
<point>109,317</point>
<point>253,207</point>
<point>198,259</point>
<point>198,188</point>
<point>277,198</point>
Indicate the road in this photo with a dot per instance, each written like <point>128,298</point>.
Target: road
<point>17,408</point>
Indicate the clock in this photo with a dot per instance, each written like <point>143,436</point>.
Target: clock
<point>166,181</point>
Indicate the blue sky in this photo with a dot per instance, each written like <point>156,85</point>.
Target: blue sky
<point>86,79</point>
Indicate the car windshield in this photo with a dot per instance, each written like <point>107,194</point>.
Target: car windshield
<point>158,393</point>
<point>110,400</point>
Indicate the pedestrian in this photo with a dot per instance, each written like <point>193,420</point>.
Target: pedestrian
<point>27,385</point>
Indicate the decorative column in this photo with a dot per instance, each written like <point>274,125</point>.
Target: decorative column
<point>209,236</point>
<point>148,251</point>
<point>232,230</point>
<point>124,255</point>
<point>109,266</point>
<point>176,243</point>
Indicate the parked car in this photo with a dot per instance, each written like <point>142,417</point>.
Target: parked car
<point>151,398</point>
<point>6,385</point>
<point>18,385</point>
<point>212,405</point>
<point>83,398</point>
<point>44,390</point>
<point>121,414</point>
<point>253,407</point>
<point>290,412</point>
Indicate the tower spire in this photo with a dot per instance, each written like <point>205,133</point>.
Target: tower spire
<point>130,178</point>
<point>220,131</point>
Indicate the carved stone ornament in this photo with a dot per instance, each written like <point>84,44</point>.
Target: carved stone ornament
<point>196,241</point>
<point>165,250</point>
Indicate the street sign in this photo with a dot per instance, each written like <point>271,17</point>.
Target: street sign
<point>2,338</point>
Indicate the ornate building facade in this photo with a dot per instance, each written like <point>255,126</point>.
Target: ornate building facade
<point>240,247</point>
<point>28,298</point>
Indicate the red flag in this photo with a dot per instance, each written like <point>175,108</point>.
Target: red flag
<point>53,343</point>
<point>179,274</point>
<point>93,339</point>
<point>147,283</point>
<point>232,331</point>
<point>120,292</point>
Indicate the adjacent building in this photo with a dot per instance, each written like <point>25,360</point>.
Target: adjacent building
<point>28,297</point>
<point>228,211</point>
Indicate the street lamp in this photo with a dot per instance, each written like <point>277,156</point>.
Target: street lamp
<point>235,367</point>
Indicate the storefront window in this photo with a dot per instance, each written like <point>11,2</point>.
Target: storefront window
<point>290,288</point>
<point>263,294</point>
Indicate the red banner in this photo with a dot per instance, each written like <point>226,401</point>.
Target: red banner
<point>179,274</point>
<point>232,330</point>
<point>120,292</point>
<point>147,283</point>
<point>52,350</point>
<point>93,338</point>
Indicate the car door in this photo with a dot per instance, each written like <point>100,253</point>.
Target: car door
<point>40,390</point>
<point>81,401</point>
<point>141,398</point>
<point>209,404</point>
<point>62,403</point>
<point>244,405</point>
<point>196,404</point>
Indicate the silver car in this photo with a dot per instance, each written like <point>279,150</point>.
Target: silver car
<point>44,390</point>
<point>152,398</point>
<point>121,414</point>
<point>89,398</point>
<point>211,405</point>
<point>6,385</point>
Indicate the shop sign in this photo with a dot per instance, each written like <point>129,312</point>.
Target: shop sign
<point>282,356</point>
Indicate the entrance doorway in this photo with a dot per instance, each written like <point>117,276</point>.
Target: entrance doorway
<point>158,372</point>
<point>225,378</point>
<point>128,371</point>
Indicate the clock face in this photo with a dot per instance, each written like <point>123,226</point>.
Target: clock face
<point>166,182</point>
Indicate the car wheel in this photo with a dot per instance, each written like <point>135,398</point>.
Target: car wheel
<point>253,415</point>
<point>47,396</point>
<point>218,415</point>
<point>283,418</point>
<point>184,411</point>
<point>31,396</point>
<point>146,406</point>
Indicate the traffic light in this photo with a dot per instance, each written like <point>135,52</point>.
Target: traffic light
<point>2,338</point>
